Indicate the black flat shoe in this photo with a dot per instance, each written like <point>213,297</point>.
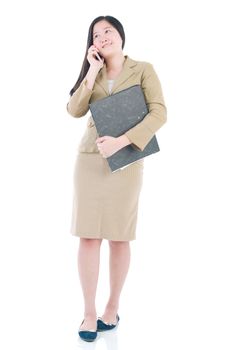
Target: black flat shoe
<point>104,326</point>
<point>88,335</point>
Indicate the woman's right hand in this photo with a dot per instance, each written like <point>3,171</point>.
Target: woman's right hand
<point>94,62</point>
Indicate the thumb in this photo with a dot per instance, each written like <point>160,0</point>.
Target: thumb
<point>101,139</point>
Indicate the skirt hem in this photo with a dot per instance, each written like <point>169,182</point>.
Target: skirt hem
<point>102,237</point>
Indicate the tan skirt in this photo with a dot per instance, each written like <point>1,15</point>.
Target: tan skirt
<point>105,204</point>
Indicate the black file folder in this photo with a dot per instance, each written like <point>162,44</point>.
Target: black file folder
<point>116,114</point>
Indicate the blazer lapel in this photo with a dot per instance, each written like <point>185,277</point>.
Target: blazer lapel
<point>124,75</point>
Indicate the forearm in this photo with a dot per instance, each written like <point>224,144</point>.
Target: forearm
<point>91,77</point>
<point>124,141</point>
<point>78,104</point>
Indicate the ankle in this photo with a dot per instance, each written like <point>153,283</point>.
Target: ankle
<point>90,315</point>
<point>111,306</point>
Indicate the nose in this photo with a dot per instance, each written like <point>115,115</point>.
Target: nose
<point>104,40</point>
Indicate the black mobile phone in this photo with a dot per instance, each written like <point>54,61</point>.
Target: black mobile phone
<point>98,56</point>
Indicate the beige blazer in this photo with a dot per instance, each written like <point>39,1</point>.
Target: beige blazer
<point>133,72</point>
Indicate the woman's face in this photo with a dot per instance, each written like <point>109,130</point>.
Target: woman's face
<point>106,38</point>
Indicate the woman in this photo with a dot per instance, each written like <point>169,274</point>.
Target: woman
<point>105,204</point>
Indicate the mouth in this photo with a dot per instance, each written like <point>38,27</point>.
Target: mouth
<point>108,44</point>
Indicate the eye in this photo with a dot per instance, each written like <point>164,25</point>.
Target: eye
<point>107,30</point>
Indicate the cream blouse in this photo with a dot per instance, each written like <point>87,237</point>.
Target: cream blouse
<point>110,85</point>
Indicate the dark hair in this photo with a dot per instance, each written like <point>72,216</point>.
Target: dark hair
<point>85,65</point>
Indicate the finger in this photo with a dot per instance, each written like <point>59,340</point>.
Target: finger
<point>93,49</point>
<point>101,139</point>
<point>102,153</point>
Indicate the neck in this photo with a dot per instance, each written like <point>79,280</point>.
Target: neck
<point>115,62</point>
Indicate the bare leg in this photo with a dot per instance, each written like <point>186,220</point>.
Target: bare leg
<point>88,267</point>
<point>119,265</point>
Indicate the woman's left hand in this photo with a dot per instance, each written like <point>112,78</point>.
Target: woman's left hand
<point>108,145</point>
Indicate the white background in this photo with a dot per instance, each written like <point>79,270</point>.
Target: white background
<point>175,296</point>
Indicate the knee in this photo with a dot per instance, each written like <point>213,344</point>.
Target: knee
<point>90,243</point>
<point>119,244</point>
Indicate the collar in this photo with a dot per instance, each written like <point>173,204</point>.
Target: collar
<point>125,74</point>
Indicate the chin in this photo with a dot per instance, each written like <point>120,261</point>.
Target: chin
<point>108,54</point>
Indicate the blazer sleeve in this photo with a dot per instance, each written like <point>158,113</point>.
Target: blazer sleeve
<point>142,133</point>
<point>78,104</point>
